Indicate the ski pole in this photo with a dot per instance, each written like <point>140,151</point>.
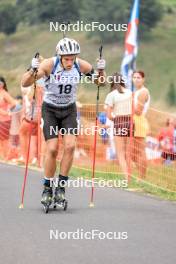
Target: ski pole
<point>21,206</point>
<point>65,28</point>
<point>95,138</point>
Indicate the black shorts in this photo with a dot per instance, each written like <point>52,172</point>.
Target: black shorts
<point>59,120</point>
<point>122,125</point>
<point>170,156</point>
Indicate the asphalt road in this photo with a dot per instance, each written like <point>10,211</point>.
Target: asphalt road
<point>149,224</point>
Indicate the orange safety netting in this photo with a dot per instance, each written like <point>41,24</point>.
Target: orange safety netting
<point>156,168</point>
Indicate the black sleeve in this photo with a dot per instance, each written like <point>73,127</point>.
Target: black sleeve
<point>91,73</point>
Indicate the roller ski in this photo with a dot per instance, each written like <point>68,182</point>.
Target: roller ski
<point>47,199</point>
<point>59,198</point>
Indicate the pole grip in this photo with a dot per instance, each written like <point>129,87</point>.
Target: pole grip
<point>101,51</point>
<point>37,55</point>
<point>66,28</point>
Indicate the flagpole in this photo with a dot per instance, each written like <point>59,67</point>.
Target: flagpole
<point>128,64</point>
<point>131,148</point>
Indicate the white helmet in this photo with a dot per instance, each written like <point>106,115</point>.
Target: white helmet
<point>67,46</point>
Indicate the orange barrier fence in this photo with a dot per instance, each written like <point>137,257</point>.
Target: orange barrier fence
<point>156,168</point>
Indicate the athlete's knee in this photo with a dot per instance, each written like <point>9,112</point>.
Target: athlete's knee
<point>69,147</point>
<point>52,151</point>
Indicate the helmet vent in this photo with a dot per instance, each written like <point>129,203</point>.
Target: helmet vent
<point>70,46</point>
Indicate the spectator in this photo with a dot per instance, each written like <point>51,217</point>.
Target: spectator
<point>26,127</point>
<point>102,118</point>
<point>6,102</point>
<point>141,105</point>
<point>118,103</point>
<point>152,151</point>
<point>174,139</point>
<point>79,150</point>
<point>107,134</point>
<point>14,129</point>
<point>166,139</point>
<point>111,150</point>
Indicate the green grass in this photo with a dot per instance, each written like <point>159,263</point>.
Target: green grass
<point>171,3</point>
<point>132,186</point>
<point>7,2</point>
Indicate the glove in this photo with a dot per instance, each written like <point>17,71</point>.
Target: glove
<point>35,63</point>
<point>101,64</point>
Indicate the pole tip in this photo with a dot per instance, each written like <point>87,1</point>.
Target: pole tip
<point>91,205</point>
<point>21,206</point>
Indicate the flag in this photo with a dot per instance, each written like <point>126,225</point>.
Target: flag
<point>131,45</point>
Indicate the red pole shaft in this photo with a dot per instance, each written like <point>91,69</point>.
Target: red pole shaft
<point>26,168</point>
<point>94,157</point>
<point>131,138</point>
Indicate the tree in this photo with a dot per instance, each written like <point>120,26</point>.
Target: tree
<point>55,10</point>
<point>151,12</point>
<point>39,11</point>
<point>8,18</point>
<point>27,11</point>
<point>108,12</point>
<point>118,12</point>
<point>171,95</point>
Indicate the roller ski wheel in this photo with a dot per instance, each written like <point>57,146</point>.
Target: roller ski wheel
<point>46,208</point>
<point>62,204</point>
<point>46,198</point>
<point>65,205</point>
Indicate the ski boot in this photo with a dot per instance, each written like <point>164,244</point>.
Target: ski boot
<point>59,198</point>
<point>47,198</point>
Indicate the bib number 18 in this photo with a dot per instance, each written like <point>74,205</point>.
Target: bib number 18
<point>65,89</point>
